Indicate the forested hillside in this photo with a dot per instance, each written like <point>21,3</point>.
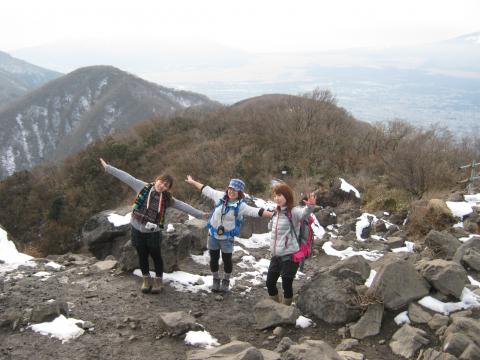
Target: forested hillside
<point>309,137</point>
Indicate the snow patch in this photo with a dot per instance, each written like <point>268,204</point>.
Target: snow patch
<point>201,338</point>
<point>119,220</point>
<point>459,208</point>
<point>468,299</point>
<point>60,328</point>
<point>345,186</point>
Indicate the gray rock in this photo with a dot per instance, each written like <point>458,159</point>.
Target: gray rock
<point>395,242</point>
<point>235,350</point>
<point>418,314</point>
<point>464,313</point>
<point>407,340</point>
<point>311,349</point>
<point>269,313</point>
<point>270,355</point>
<point>355,264</point>
<point>284,345</point>
<point>431,354</point>
<point>48,311</point>
<point>472,352</point>
<point>177,323</point>
<point>437,321</point>
<point>326,217</point>
<point>351,355</point>
<point>465,248</point>
<point>398,291</point>
<point>105,265</point>
<point>448,277</point>
<point>369,324</point>
<point>330,299</point>
<point>254,225</point>
<point>472,259</point>
<point>347,344</point>
<point>11,318</point>
<point>443,244</point>
<point>456,344</point>
<point>463,333</point>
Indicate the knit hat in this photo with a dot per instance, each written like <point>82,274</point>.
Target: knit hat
<point>237,184</point>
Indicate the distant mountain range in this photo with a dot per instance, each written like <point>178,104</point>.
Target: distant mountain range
<point>431,83</point>
<point>68,113</point>
<point>17,77</point>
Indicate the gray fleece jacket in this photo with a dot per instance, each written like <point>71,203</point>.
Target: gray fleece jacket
<point>282,240</point>
<point>138,185</point>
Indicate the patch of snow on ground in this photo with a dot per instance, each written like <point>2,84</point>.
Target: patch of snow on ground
<point>119,220</point>
<point>459,208</point>
<point>201,338</point>
<point>468,299</point>
<point>369,281</point>
<point>60,328</point>
<point>473,281</point>
<point>409,247</point>
<point>349,252</point>
<point>467,238</point>
<point>362,223</point>
<point>402,318</point>
<point>10,256</point>
<point>345,186</point>
<point>255,241</point>
<point>303,322</point>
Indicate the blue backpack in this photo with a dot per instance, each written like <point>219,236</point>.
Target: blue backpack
<point>225,209</point>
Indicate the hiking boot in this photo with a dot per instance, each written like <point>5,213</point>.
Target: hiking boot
<point>147,284</point>
<point>287,301</point>
<point>216,285</point>
<point>157,285</point>
<point>275,298</point>
<point>225,285</point>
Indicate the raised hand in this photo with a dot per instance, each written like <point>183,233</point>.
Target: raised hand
<point>312,199</point>
<point>104,163</point>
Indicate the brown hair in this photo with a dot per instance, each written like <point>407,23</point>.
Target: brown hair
<point>166,179</point>
<point>169,180</point>
<point>286,191</point>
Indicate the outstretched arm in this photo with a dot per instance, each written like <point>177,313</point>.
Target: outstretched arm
<point>194,183</point>
<point>123,176</point>
<point>180,205</point>
<point>302,213</point>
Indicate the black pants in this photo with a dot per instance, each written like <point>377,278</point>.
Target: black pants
<point>215,258</point>
<point>287,269</point>
<point>148,244</point>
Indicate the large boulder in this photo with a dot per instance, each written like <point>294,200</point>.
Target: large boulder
<point>369,324</point>
<point>177,323</point>
<point>462,338</point>
<point>254,225</point>
<point>269,313</point>
<point>443,244</point>
<point>237,350</point>
<point>355,268</point>
<point>448,277</point>
<point>398,283</point>
<point>101,237</point>
<point>330,299</point>
<point>467,253</point>
<point>407,340</point>
<point>175,247</point>
<point>312,349</point>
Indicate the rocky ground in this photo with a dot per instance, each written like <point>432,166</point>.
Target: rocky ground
<point>126,322</point>
<point>122,323</point>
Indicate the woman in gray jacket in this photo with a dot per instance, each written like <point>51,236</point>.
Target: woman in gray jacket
<point>148,218</point>
<point>285,226</point>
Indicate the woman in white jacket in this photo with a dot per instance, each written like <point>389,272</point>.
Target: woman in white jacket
<point>224,224</point>
<point>285,226</point>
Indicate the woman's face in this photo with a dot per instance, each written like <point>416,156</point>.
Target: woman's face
<point>161,186</point>
<point>232,194</point>
<point>280,200</point>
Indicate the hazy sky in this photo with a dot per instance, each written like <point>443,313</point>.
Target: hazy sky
<point>252,25</point>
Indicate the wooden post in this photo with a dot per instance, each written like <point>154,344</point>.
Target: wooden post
<point>473,176</point>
